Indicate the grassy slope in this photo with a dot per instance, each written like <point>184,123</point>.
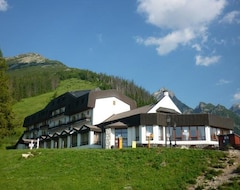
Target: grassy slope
<point>31,105</point>
<point>104,169</point>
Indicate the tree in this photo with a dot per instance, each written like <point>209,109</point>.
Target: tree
<point>6,114</point>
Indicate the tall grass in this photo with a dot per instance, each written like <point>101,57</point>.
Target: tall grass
<point>103,169</point>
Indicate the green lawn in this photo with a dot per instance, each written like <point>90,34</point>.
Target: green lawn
<point>141,168</point>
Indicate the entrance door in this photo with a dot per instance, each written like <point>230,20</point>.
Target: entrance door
<point>121,133</point>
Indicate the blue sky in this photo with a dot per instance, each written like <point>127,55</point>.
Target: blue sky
<point>191,47</point>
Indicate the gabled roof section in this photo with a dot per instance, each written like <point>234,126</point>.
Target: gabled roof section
<point>167,111</point>
<point>78,94</point>
<point>136,111</point>
<point>165,102</point>
<point>116,125</point>
<point>97,94</point>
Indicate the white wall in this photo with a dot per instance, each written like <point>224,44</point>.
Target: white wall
<point>106,107</point>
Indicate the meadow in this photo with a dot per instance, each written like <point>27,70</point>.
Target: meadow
<point>90,169</point>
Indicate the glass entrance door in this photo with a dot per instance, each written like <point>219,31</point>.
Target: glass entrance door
<point>121,133</point>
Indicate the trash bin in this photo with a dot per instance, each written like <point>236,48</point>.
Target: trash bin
<point>134,143</point>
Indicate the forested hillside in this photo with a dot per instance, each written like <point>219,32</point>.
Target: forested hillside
<point>32,74</point>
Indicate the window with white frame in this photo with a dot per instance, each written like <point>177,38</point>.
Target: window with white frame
<point>137,133</point>
<point>185,133</point>
<point>214,133</point>
<point>149,132</point>
<point>160,133</point>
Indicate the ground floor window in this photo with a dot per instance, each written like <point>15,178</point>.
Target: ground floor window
<point>84,138</point>
<point>64,142</point>
<point>160,133</point>
<point>48,144</point>
<point>56,143</point>
<point>189,133</point>
<point>97,138</point>
<point>121,133</point>
<point>74,140</point>
<point>137,133</point>
<point>214,133</point>
<point>149,133</point>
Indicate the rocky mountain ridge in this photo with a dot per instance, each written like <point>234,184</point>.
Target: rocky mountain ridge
<point>29,60</point>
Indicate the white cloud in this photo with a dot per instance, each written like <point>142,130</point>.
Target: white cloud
<point>187,17</point>
<point>236,96</point>
<point>206,61</point>
<point>197,47</point>
<point>222,82</point>
<point>231,17</point>
<point>169,42</point>
<point>3,5</point>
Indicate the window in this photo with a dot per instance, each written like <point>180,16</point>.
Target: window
<point>84,139</point>
<point>137,133</point>
<point>74,140</point>
<point>97,138</point>
<point>189,133</point>
<point>160,133</point>
<point>149,132</point>
<point>178,133</point>
<point>214,132</point>
<point>185,133</point>
<point>201,133</point>
<point>121,133</point>
<point>193,133</point>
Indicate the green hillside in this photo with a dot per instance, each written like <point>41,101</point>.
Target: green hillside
<point>32,75</point>
<point>138,169</point>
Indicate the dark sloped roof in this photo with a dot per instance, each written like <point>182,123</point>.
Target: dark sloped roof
<point>116,125</point>
<point>74,102</point>
<point>136,111</point>
<point>78,94</point>
<point>167,110</point>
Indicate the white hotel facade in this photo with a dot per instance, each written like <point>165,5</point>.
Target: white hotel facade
<point>96,119</point>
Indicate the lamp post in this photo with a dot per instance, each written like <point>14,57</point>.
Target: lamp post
<point>174,128</point>
<point>168,126</point>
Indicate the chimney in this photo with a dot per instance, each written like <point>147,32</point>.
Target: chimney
<point>165,93</point>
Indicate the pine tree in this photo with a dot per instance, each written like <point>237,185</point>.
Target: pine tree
<point>6,114</point>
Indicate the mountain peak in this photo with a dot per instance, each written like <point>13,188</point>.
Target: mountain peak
<point>160,92</point>
<point>236,108</point>
<point>29,60</point>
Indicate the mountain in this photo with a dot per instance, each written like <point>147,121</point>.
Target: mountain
<point>29,60</point>
<point>236,108</point>
<point>220,111</point>
<point>32,74</point>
